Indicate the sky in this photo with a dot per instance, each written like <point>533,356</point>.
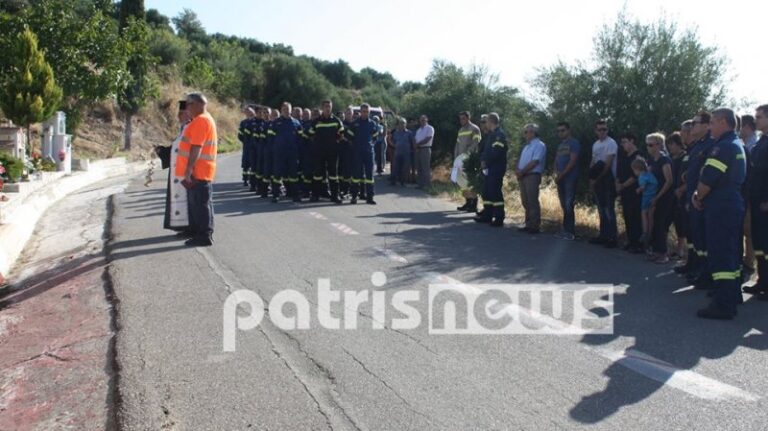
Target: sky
<point>513,39</point>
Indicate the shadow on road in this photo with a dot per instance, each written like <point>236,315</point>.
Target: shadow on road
<point>652,310</point>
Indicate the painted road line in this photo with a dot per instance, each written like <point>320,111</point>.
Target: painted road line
<point>391,255</point>
<point>666,373</point>
<point>344,229</point>
<point>317,216</point>
<point>646,365</point>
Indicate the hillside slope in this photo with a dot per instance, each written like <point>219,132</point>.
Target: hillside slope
<point>101,134</point>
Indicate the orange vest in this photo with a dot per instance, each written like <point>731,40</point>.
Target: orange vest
<point>201,132</point>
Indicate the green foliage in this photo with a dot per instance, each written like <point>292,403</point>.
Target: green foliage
<point>198,74</point>
<point>82,45</point>
<point>13,167</point>
<point>167,48</point>
<point>29,93</point>
<point>295,80</point>
<point>158,21</point>
<point>449,90</point>
<point>137,87</point>
<point>189,27</point>
<point>228,144</point>
<point>643,78</point>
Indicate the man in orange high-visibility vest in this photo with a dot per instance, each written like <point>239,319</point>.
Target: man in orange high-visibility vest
<point>196,163</point>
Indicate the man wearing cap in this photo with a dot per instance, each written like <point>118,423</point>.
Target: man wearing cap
<point>196,164</point>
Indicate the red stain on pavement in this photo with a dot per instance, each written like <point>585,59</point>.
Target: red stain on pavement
<point>54,336</point>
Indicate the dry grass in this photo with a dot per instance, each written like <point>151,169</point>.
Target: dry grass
<point>101,134</point>
<point>587,220</point>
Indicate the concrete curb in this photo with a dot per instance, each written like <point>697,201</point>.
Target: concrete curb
<point>20,218</point>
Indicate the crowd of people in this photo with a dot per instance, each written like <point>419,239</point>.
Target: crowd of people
<point>313,154</point>
<point>707,180</point>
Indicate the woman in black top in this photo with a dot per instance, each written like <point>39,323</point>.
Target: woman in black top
<point>664,203</point>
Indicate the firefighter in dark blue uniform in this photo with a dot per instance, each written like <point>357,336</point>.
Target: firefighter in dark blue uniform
<point>285,136</point>
<point>697,155</point>
<point>265,156</point>
<point>758,203</point>
<point>326,133</point>
<point>305,154</point>
<point>363,133</point>
<point>718,194</point>
<point>244,135</point>
<point>258,150</point>
<point>252,130</point>
<point>346,152</point>
<point>494,165</point>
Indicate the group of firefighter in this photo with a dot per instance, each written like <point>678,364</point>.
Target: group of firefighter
<point>302,153</point>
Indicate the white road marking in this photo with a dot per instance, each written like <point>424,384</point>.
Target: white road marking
<point>317,216</point>
<point>663,372</point>
<point>391,255</point>
<point>344,229</point>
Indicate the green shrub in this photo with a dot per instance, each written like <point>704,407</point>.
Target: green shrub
<point>14,167</point>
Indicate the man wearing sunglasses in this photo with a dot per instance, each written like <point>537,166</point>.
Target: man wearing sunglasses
<point>718,195</point>
<point>602,184</point>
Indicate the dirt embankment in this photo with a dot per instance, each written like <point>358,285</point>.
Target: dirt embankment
<point>101,134</point>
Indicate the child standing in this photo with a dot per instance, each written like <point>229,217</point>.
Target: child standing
<point>649,186</point>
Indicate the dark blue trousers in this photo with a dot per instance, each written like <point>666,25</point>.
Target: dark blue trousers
<point>200,207</point>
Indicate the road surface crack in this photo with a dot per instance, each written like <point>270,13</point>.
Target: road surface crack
<point>386,385</point>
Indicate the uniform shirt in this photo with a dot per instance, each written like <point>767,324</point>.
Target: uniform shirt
<point>725,170</point>
<point>403,140</point>
<point>363,133</point>
<point>467,140</point>
<point>254,132</point>
<point>758,172</point>
<point>533,150</point>
<point>697,156</point>
<point>563,157</point>
<point>326,131</point>
<point>495,152</point>
<point>243,132</point>
<point>285,134</point>
<point>601,150</point>
<point>423,133</point>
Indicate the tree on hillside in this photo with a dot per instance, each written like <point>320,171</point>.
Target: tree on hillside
<point>643,78</point>
<point>157,20</point>
<point>295,80</point>
<point>188,26</point>
<point>84,49</point>
<point>29,93</point>
<point>450,89</point>
<point>137,87</point>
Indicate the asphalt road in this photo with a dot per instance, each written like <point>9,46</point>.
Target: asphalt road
<point>661,368</point>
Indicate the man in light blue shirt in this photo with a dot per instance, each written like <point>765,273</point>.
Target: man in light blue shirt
<point>529,169</point>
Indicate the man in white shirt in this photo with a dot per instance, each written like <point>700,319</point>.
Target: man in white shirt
<point>602,172</point>
<point>424,136</point>
<point>528,172</point>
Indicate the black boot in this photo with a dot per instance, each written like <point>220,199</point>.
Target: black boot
<point>484,216</point>
<point>761,286</point>
<point>464,207</point>
<point>472,206</point>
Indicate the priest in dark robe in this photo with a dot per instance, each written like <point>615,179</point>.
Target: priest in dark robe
<point>176,211</point>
